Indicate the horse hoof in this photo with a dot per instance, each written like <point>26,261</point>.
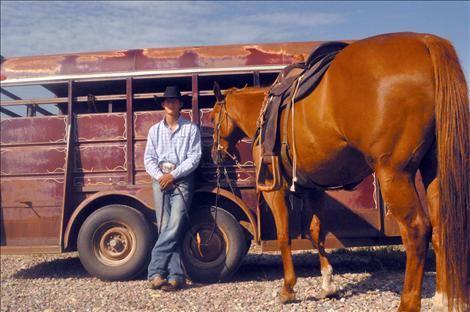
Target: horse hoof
<point>326,293</point>
<point>286,296</point>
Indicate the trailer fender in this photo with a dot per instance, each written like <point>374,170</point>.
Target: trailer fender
<point>106,197</point>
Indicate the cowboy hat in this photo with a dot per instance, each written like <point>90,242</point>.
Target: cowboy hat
<point>171,92</point>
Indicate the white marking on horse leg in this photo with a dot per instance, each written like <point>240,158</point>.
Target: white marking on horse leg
<point>439,302</point>
<point>327,285</point>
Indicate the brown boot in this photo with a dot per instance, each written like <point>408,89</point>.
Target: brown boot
<point>174,285</point>
<point>157,282</point>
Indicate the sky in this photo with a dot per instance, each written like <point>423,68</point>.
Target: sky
<point>47,27</point>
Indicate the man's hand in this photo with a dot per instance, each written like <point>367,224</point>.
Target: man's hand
<point>166,181</point>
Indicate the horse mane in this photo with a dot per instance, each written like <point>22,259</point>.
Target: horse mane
<point>246,90</point>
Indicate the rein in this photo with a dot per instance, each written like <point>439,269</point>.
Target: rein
<point>219,164</point>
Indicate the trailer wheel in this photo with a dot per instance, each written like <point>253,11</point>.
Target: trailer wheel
<point>114,242</point>
<point>212,254</point>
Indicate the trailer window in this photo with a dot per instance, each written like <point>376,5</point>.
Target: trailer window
<point>106,96</point>
<point>28,101</point>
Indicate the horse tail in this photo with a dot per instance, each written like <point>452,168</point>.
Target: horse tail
<point>453,154</point>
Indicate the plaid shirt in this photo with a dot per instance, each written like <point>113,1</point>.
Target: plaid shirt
<point>181,146</point>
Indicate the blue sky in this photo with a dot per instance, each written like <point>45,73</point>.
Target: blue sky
<point>46,27</point>
<point>32,28</point>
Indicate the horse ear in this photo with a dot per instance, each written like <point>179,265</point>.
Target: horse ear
<point>217,92</point>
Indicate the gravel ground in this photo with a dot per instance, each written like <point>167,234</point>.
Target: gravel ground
<point>370,279</point>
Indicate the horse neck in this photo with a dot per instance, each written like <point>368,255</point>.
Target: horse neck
<point>246,109</point>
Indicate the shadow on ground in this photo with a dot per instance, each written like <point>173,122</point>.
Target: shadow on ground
<point>379,264</point>
<point>58,268</point>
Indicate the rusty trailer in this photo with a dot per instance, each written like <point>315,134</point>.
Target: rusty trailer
<point>72,163</point>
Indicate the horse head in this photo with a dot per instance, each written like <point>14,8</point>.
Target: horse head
<point>226,131</point>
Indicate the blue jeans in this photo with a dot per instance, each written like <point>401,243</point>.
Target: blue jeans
<point>166,259</point>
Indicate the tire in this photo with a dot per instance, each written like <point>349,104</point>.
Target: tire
<point>248,245</point>
<point>220,259</point>
<point>114,243</point>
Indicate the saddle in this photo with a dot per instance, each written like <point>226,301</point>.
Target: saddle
<point>294,83</point>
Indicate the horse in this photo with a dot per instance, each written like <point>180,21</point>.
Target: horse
<point>391,104</point>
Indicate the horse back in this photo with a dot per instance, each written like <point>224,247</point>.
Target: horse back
<point>379,94</point>
<point>376,101</point>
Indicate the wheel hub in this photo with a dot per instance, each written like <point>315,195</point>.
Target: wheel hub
<point>114,244</point>
<point>207,245</point>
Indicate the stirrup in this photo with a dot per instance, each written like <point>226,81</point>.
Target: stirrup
<point>276,173</point>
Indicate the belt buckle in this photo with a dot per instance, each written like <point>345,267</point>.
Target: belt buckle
<point>166,166</point>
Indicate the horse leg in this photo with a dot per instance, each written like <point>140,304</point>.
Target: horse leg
<point>328,288</point>
<point>277,202</point>
<point>432,198</point>
<point>428,170</point>
<point>401,198</point>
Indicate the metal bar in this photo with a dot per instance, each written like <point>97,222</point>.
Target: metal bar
<point>81,171</point>
<point>139,96</point>
<point>81,141</point>
<point>31,110</point>
<point>68,176</point>
<point>8,112</point>
<point>256,78</point>
<point>195,99</point>
<point>10,95</point>
<point>23,144</point>
<point>16,98</point>
<point>84,99</point>
<point>145,74</point>
<point>27,250</point>
<point>109,97</point>
<point>130,133</point>
<point>29,174</point>
<point>35,101</point>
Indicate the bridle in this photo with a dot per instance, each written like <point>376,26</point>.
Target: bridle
<point>219,162</point>
<point>220,148</point>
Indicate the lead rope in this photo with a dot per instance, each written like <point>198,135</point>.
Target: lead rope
<point>294,152</point>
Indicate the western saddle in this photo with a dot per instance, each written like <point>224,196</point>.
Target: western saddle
<point>294,83</point>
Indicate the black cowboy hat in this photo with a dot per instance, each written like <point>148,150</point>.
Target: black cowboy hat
<point>171,92</point>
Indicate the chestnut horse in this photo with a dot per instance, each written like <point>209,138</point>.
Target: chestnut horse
<point>389,104</point>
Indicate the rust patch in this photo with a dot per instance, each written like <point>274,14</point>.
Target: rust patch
<point>94,57</point>
<point>25,130</point>
<point>163,53</point>
<point>101,127</point>
<point>47,192</point>
<point>33,64</point>
<point>104,157</point>
<point>32,160</point>
<point>188,59</point>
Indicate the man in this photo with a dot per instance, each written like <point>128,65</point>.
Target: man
<point>176,143</point>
